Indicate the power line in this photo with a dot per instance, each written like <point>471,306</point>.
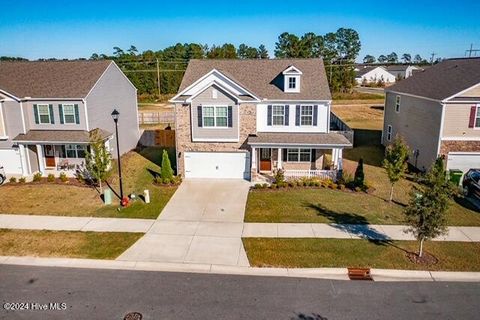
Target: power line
<point>471,50</point>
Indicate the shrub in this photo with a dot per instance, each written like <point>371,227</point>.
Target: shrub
<point>273,186</point>
<point>166,170</point>
<point>292,184</point>
<point>63,177</point>
<point>13,180</point>
<point>258,186</point>
<point>357,189</point>
<point>22,180</point>
<point>265,185</point>
<point>359,174</point>
<point>317,183</point>
<point>166,180</point>
<point>311,183</point>
<point>279,176</point>
<point>37,177</point>
<point>50,177</point>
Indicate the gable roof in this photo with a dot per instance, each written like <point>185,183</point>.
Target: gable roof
<point>366,70</point>
<point>264,77</point>
<point>50,79</point>
<point>442,80</point>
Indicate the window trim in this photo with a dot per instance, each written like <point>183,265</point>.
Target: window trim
<point>297,152</point>
<point>214,116</point>
<point>74,114</point>
<point>294,82</point>
<point>283,115</point>
<point>389,132</point>
<point>301,115</point>
<point>40,115</point>
<point>75,149</point>
<point>398,100</point>
<point>476,123</point>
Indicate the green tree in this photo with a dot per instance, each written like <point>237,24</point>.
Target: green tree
<point>369,59</point>
<point>262,52</point>
<point>348,43</point>
<point>118,52</point>
<point>382,58</point>
<point>94,56</point>
<point>407,58</point>
<point>247,52</point>
<point>392,57</point>
<point>132,50</point>
<point>417,59</point>
<point>395,162</point>
<point>426,214</point>
<point>98,159</point>
<point>166,171</point>
<point>287,46</point>
<point>359,178</point>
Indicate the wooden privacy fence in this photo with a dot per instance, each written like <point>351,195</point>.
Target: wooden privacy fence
<point>156,117</point>
<point>165,138</point>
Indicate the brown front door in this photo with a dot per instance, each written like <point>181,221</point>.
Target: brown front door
<point>49,152</point>
<point>265,159</point>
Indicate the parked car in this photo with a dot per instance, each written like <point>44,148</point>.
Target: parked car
<point>3,177</point>
<point>471,183</point>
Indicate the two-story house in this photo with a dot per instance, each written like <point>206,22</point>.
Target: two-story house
<point>242,118</point>
<point>48,109</point>
<point>437,112</point>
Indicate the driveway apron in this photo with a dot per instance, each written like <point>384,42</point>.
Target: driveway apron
<point>202,223</point>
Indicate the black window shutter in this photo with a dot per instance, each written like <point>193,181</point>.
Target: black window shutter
<point>315,114</point>
<point>269,115</point>
<point>297,115</point>
<point>52,118</point>
<point>35,113</point>
<point>284,151</point>
<point>314,155</point>
<point>77,114</point>
<point>60,112</point>
<point>199,116</point>
<point>287,114</point>
<point>230,116</point>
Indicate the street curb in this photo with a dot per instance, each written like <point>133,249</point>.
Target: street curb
<point>389,275</point>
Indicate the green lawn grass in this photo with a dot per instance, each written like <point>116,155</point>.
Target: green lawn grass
<point>68,244</point>
<point>316,253</point>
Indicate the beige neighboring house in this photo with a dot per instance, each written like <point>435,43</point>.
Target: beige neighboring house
<point>438,113</point>
<point>246,118</point>
<point>402,71</point>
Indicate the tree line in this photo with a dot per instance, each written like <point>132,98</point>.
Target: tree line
<point>393,58</point>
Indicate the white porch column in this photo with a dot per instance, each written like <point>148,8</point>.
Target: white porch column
<point>254,158</point>
<point>279,162</point>
<point>41,163</point>
<point>335,157</point>
<point>340,159</point>
<point>23,160</point>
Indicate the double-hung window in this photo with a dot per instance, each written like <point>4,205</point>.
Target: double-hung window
<point>477,117</point>
<point>215,116</point>
<point>278,115</point>
<point>75,150</point>
<point>397,104</point>
<point>69,113</point>
<point>306,115</point>
<point>292,83</point>
<point>299,155</point>
<point>43,114</point>
<point>389,133</point>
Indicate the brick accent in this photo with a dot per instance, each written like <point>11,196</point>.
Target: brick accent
<point>459,146</point>
<point>248,125</point>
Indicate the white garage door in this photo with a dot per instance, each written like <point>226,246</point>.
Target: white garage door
<point>10,160</point>
<point>217,165</point>
<point>463,161</point>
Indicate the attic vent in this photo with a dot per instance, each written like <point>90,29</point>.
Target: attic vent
<point>214,94</point>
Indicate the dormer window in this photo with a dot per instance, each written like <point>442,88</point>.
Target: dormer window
<point>291,76</point>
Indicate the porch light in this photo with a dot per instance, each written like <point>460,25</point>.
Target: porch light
<point>115,115</point>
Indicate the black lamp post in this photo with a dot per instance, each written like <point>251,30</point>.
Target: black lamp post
<point>115,116</point>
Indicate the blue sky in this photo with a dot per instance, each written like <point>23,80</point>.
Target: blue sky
<point>61,29</point>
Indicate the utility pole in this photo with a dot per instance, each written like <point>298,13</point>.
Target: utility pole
<point>471,50</point>
<point>433,56</point>
<point>158,79</point>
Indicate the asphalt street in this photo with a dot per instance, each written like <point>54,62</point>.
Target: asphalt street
<point>111,294</point>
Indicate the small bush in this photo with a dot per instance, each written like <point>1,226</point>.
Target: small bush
<point>13,180</point>
<point>166,170</point>
<point>292,184</point>
<point>50,177</point>
<point>22,180</point>
<point>37,177</point>
<point>258,186</point>
<point>273,186</point>
<point>357,189</point>
<point>317,183</point>
<point>63,177</point>
<point>279,176</point>
<point>166,180</point>
<point>265,185</point>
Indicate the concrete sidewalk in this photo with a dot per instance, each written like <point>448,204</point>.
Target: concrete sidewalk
<point>59,223</point>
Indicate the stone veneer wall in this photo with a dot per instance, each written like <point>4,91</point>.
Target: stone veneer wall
<point>183,133</point>
<point>459,146</point>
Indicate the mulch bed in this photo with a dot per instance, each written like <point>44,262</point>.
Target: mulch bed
<point>426,259</point>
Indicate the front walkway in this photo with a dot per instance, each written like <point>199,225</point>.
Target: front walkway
<point>201,224</point>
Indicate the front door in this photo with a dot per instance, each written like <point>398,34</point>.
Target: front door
<point>265,159</point>
<point>49,152</point>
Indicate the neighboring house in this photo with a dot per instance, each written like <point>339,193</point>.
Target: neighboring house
<point>372,74</point>
<point>48,109</point>
<point>438,113</point>
<point>402,71</point>
<point>242,118</point>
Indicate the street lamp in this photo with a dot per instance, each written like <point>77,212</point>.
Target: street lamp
<point>115,116</point>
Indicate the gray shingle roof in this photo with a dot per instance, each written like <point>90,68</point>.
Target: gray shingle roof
<point>442,80</point>
<point>67,136</point>
<point>307,139</point>
<point>264,77</point>
<point>365,70</point>
<point>50,79</point>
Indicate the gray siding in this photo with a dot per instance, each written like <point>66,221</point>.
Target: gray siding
<point>30,117</point>
<point>206,98</point>
<point>114,91</point>
<point>13,122</point>
<point>418,122</point>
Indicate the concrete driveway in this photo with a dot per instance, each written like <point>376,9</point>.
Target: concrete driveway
<point>202,223</point>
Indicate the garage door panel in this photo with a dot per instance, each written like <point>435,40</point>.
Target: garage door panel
<point>463,161</point>
<point>10,160</point>
<point>217,165</point>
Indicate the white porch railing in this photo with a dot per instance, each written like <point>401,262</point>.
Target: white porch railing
<point>321,174</point>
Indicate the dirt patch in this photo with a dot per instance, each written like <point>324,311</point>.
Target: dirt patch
<point>427,259</point>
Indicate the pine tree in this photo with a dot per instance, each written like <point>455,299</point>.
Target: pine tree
<point>359,179</point>
<point>166,170</point>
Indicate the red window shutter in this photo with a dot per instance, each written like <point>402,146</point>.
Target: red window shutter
<point>473,111</point>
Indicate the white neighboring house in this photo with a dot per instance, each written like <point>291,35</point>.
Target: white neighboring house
<point>371,74</point>
<point>402,71</point>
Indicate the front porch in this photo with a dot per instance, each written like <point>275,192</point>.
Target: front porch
<point>298,155</point>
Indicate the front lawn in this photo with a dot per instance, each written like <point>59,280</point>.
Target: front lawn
<point>66,244</point>
<point>138,169</point>
<point>318,253</point>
